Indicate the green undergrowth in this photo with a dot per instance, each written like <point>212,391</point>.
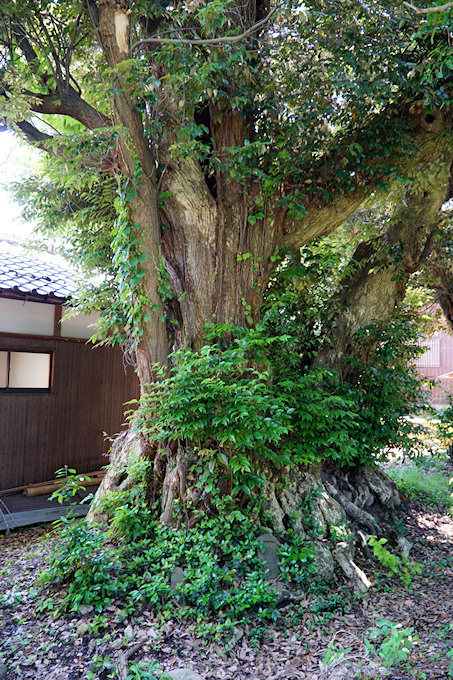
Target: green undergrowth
<point>428,482</point>
<point>248,405</point>
<point>210,573</point>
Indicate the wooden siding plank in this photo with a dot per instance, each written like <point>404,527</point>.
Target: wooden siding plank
<point>40,433</point>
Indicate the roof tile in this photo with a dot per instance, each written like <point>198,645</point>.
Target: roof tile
<point>23,271</point>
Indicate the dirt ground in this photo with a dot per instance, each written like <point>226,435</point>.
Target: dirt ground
<point>40,645</point>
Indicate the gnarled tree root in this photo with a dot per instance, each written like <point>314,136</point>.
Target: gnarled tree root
<point>334,508</point>
<point>330,504</point>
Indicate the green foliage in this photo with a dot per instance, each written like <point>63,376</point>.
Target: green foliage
<point>399,566</point>
<point>335,653</point>
<point>144,671</point>
<point>424,483</point>
<point>218,405</point>
<point>329,604</point>
<point>307,512</point>
<point>389,642</point>
<point>297,560</point>
<point>395,642</point>
<point>73,483</point>
<point>340,532</point>
<point>252,398</point>
<point>450,667</point>
<point>221,578</point>
<point>134,561</point>
<point>352,420</point>
<point>443,422</point>
<point>85,566</point>
<point>99,664</point>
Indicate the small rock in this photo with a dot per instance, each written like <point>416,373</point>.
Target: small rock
<point>237,634</point>
<point>346,670</point>
<point>177,577</point>
<point>270,555</point>
<point>82,628</point>
<point>129,632</point>
<point>284,598</point>
<point>86,609</point>
<point>405,546</point>
<point>184,674</point>
<point>3,670</point>
<point>286,595</point>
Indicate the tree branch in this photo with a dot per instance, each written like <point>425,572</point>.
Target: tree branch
<point>429,10</point>
<point>69,104</point>
<point>322,218</point>
<point>29,132</point>
<point>208,41</point>
<point>39,140</point>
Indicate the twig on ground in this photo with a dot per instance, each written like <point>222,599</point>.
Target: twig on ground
<point>122,668</point>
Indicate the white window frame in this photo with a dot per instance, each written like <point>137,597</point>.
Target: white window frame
<point>20,350</point>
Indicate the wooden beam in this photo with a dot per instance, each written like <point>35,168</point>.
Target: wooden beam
<point>57,321</point>
<point>17,489</point>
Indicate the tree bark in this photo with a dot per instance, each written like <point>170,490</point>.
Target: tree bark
<point>383,266</point>
<point>140,166</point>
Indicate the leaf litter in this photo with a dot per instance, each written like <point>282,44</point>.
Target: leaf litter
<point>76,646</point>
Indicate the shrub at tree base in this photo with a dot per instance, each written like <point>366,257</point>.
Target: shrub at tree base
<point>211,570</point>
<point>235,423</point>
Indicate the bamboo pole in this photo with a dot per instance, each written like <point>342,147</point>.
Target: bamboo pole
<point>53,482</point>
<point>43,490</point>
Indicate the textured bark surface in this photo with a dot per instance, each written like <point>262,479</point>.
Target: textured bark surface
<point>442,274</point>
<point>333,509</point>
<point>127,448</point>
<point>337,510</point>
<point>384,265</point>
<point>112,26</point>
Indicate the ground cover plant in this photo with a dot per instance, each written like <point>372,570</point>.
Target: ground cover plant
<point>36,642</point>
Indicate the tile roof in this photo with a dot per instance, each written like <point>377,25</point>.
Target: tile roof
<point>24,274</point>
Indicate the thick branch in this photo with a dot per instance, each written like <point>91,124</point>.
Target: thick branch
<point>382,266</point>
<point>30,133</point>
<point>429,10</point>
<point>39,140</point>
<point>323,218</point>
<point>230,39</point>
<point>69,104</point>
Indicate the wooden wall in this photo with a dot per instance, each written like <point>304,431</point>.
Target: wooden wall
<point>41,432</point>
<point>439,395</point>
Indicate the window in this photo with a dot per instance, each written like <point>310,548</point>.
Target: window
<point>25,370</point>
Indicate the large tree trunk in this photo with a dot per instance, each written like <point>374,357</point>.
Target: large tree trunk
<point>217,252</point>
<point>382,266</point>
<point>218,245</point>
<point>207,234</point>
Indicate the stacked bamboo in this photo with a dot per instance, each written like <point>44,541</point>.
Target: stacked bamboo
<point>43,488</point>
